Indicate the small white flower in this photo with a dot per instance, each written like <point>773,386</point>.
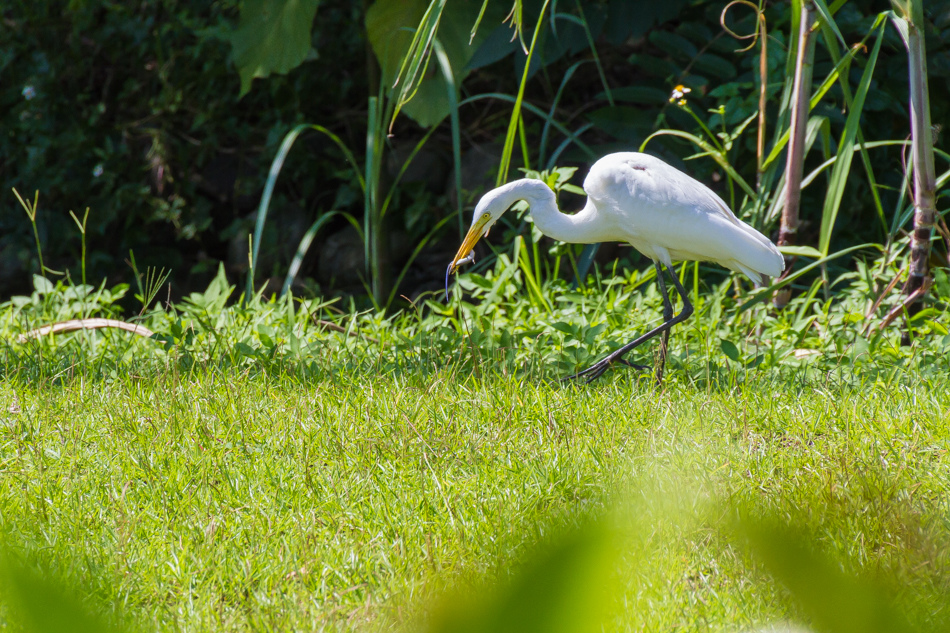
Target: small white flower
<point>678,93</point>
<point>97,170</point>
<point>28,92</point>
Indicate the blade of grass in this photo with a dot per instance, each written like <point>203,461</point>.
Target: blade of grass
<point>552,162</point>
<point>478,21</point>
<point>417,57</point>
<point>276,165</point>
<point>453,95</point>
<point>305,242</point>
<point>840,68</point>
<point>545,130</point>
<point>538,112</point>
<point>412,257</point>
<point>842,166</point>
<point>763,294</point>
<point>593,51</point>
<point>524,261</point>
<point>831,43</point>
<point>826,16</point>
<point>516,111</point>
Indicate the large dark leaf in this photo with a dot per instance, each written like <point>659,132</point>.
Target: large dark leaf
<point>623,122</point>
<point>390,25</point>
<point>715,66</point>
<point>273,37</point>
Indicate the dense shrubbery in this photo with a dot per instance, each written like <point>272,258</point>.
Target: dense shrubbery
<point>491,327</point>
<point>132,110</point>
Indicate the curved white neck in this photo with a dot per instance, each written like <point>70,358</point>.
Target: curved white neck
<point>576,229</point>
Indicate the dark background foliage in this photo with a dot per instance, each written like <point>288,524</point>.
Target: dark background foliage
<point>133,109</point>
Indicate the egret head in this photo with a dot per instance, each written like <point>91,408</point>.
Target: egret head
<point>484,217</point>
<point>487,212</point>
<point>491,207</point>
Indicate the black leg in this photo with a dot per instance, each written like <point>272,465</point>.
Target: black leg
<point>596,370</point>
<point>667,315</point>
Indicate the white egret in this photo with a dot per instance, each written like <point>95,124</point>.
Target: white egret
<point>657,209</point>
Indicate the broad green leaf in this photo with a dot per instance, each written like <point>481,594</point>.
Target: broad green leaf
<point>273,37</point>
<point>673,44</point>
<point>391,26</point>
<point>42,285</point>
<point>640,94</point>
<point>942,282</point>
<point>833,600</point>
<point>41,604</point>
<point>566,328</point>
<point>244,349</point>
<point>709,64</point>
<point>729,349</point>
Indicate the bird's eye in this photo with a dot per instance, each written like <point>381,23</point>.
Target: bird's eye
<point>485,216</point>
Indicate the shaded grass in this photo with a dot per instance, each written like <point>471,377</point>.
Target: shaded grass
<point>219,501</point>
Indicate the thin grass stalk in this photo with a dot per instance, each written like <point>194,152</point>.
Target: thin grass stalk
<point>763,85</point>
<point>254,240</point>
<point>829,29</point>
<point>302,249</point>
<point>374,220</point>
<point>593,50</point>
<point>796,150</point>
<point>571,136</point>
<point>839,174</point>
<point>453,94</point>
<point>519,100</point>
<point>542,147</point>
<point>30,209</point>
<point>911,27</point>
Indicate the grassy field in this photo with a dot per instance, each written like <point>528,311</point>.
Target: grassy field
<point>223,501</point>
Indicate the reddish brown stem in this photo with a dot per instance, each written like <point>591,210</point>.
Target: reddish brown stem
<point>801,95</point>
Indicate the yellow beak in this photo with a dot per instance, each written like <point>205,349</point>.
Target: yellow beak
<point>474,234</point>
<point>465,250</point>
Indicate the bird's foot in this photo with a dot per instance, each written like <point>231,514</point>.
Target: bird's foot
<point>597,370</point>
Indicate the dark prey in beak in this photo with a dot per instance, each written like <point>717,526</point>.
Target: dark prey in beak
<point>452,266</point>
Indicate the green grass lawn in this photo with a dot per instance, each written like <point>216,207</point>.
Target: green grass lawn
<point>212,501</point>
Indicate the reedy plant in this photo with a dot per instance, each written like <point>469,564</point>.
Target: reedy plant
<point>794,166</point>
<point>908,17</point>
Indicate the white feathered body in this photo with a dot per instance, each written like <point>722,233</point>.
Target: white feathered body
<point>659,210</point>
<point>667,215</point>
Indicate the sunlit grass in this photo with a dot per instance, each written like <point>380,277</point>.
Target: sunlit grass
<point>219,501</point>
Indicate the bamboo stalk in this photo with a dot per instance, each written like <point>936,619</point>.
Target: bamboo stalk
<point>801,95</point>
<point>925,181</point>
<point>763,85</point>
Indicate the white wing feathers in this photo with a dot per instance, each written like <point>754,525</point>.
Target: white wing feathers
<point>668,215</point>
